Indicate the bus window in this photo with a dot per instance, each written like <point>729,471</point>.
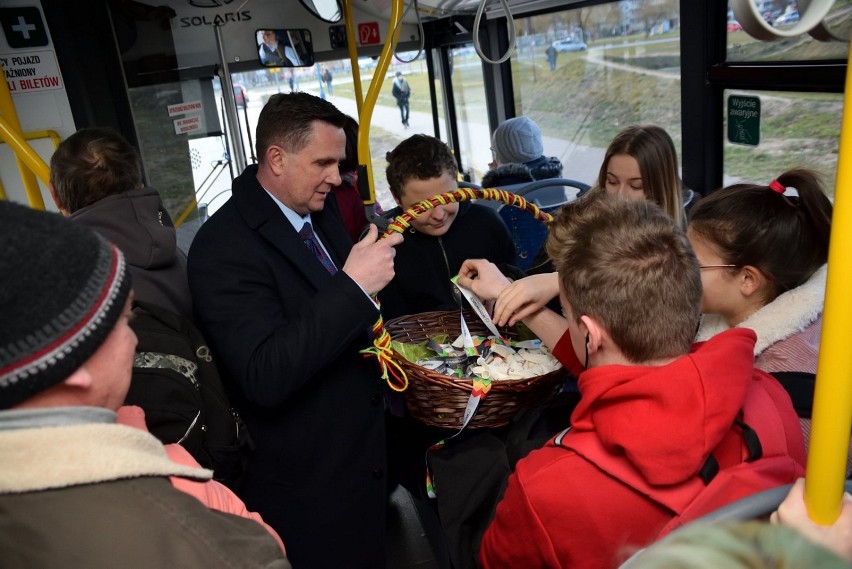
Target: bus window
<point>471,113</point>
<point>796,129</point>
<point>782,15</point>
<point>386,129</point>
<point>629,73</point>
<point>168,116</point>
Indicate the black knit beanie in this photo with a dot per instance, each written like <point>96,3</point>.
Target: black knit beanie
<point>62,290</point>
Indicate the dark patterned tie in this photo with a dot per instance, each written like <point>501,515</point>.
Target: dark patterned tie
<point>309,237</point>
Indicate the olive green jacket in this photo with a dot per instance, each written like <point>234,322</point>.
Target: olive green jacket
<point>98,496</point>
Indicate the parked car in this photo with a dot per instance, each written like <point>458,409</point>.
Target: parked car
<point>787,18</point>
<point>367,63</point>
<point>240,95</point>
<point>733,26</point>
<point>563,46</point>
<point>769,16</point>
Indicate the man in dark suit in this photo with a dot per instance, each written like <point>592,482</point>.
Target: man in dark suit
<point>287,317</point>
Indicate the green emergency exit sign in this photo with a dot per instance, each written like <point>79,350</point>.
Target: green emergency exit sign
<point>744,120</point>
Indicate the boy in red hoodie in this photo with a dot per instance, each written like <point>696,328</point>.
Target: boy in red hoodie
<point>656,411</point>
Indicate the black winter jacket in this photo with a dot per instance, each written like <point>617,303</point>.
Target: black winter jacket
<point>424,264</point>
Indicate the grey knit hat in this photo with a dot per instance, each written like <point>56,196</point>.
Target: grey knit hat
<point>517,141</point>
<point>62,290</point>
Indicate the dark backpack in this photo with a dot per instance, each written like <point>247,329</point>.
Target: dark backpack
<point>177,384</point>
<point>800,386</point>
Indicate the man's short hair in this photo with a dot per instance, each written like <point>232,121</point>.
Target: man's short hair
<point>91,164</point>
<point>420,157</point>
<point>627,265</point>
<point>287,120</point>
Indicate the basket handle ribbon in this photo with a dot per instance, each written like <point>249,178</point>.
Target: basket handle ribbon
<point>392,372</point>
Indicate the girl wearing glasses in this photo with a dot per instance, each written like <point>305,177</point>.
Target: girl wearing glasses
<point>763,252</point>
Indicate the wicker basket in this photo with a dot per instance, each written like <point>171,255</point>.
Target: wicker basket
<point>440,400</point>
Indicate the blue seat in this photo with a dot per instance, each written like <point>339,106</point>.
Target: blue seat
<point>527,232</point>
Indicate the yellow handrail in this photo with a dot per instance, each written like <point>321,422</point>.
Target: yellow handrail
<point>24,153</point>
<point>185,213</point>
<point>366,114</point>
<point>28,161</point>
<point>38,134</point>
<point>832,411</point>
<point>353,54</point>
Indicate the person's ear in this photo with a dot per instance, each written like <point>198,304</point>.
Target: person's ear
<point>80,379</point>
<point>52,189</point>
<point>594,333</point>
<point>276,157</point>
<point>751,280</point>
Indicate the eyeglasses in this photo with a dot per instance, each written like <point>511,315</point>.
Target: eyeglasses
<point>717,266</point>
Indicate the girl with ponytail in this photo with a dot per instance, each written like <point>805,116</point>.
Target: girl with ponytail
<point>763,251</point>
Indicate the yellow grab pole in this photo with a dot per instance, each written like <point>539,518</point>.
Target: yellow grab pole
<point>24,153</point>
<point>353,54</point>
<point>373,94</point>
<point>7,111</point>
<point>51,134</point>
<point>832,412</point>
<point>190,207</point>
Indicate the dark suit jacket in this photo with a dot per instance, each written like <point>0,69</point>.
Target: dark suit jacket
<point>288,334</point>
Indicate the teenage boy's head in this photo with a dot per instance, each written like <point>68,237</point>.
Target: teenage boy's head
<point>419,168</point>
<point>625,267</point>
<point>65,301</point>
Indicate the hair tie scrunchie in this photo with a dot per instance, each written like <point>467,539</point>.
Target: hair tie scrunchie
<point>787,191</point>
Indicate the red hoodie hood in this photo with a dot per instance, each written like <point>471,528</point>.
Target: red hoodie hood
<point>666,419</point>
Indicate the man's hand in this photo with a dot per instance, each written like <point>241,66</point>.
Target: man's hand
<point>370,263</point>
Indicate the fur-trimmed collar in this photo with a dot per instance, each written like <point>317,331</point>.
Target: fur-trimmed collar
<point>506,175</point>
<point>57,457</point>
<point>791,312</point>
<point>509,174</point>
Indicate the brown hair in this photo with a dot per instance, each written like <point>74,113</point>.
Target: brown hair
<point>350,163</point>
<point>654,151</point>
<point>785,237</point>
<point>420,157</point>
<point>287,120</point>
<point>91,164</point>
<point>629,266</point>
